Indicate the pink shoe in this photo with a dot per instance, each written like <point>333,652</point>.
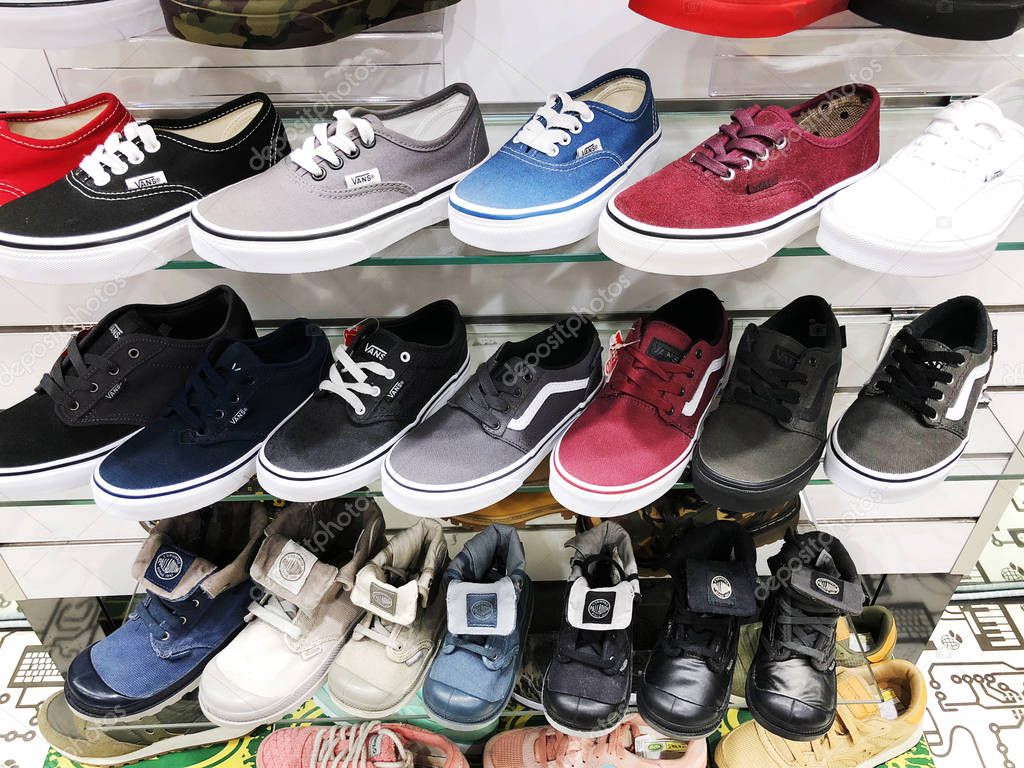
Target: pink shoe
<point>624,747</point>
<point>369,745</point>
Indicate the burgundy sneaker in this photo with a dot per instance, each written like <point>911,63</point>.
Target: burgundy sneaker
<point>634,440</point>
<point>749,190</point>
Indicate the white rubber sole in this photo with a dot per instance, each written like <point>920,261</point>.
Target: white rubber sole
<point>541,232</point>
<point>77,24</point>
<point>98,263</point>
<point>41,481</point>
<point>115,720</point>
<point>579,734</point>
<point>703,252</point>
<point>317,487</point>
<point>450,500</point>
<point>206,738</point>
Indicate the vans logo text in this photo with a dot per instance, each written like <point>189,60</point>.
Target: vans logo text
<point>238,416</point>
<point>145,181</point>
<point>589,148</point>
<point>374,351</point>
<point>362,178</point>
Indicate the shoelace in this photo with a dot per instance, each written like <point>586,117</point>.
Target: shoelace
<point>738,144</point>
<point>159,617</point>
<point>280,614</point>
<point>324,145</point>
<point>695,634</point>
<point>327,746</point>
<point>804,631</point>
<point>208,393</point>
<point>957,138</point>
<point>845,731</point>
<point>350,391</point>
<point>556,747</point>
<point>131,145</point>
<point>767,386</point>
<point>646,374</point>
<point>62,387</point>
<point>549,129</point>
<point>493,393</point>
<point>915,372</point>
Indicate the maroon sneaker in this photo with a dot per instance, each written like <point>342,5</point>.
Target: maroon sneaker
<point>634,440</point>
<point>749,190</point>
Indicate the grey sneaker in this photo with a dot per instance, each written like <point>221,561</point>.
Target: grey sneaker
<point>910,422</point>
<point>354,187</point>
<point>499,426</point>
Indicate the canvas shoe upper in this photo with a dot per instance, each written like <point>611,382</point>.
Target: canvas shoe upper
<point>195,570</point>
<point>547,185</point>
<point>385,380</point>
<point>587,685</point>
<point>204,445</point>
<point>940,204</point>
<point>764,439</point>
<point>911,420</point>
<point>749,190</point>
<point>384,662</point>
<point>38,148</point>
<point>109,381</point>
<point>357,185</point>
<point>490,602</point>
<point>738,18</point>
<point>124,208</point>
<point>499,426</point>
<point>663,379</point>
<point>306,567</point>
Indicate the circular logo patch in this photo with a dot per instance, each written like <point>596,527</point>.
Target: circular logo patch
<point>167,566</point>
<point>599,608</point>
<point>827,586</point>
<point>721,587</point>
<point>292,567</point>
<point>482,609</point>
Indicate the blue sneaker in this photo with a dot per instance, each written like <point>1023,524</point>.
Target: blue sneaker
<point>490,602</point>
<point>547,186</point>
<point>206,443</point>
<point>195,570</point>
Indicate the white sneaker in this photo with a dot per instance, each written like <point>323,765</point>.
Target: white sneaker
<point>941,203</point>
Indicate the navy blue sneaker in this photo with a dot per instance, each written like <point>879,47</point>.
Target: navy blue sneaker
<point>490,602</point>
<point>205,444</point>
<point>547,186</point>
<point>195,570</point>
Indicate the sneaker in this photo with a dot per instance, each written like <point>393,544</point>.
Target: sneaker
<point>791,687</point>
<point>383,664</point>
<point>955,19</point>
<point>306,568</point>
<point>174,728</point>
<point>388,378</point>
<point>353,188</point>
<point>685,688</point>
<point>499,426</point>
<point>40,24</point>
<point>663,378</point>
<point>940,204</point>
<point>746,192</point>
<point>124,208</point>
<point>911,421</point>
<point>738,18</point>
<point>38,148</point>
<point>204,445</point>
<point>764,439</point>
<point>533,194</point>
<point>369,745</point>
<point>490,603</point>
<point>866,734</point>
<point>587,685</point>
<point>109,381</point>
<point>195,570</point>
<point>633,744</point>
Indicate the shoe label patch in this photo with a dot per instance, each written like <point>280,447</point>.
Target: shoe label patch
<point>146,180</point>
<point>783,358</point>
<point>115,331</point>
<point>601,609</point>
<point>662,350</point>
<point>482,609</point>
<point>376,352</point>
<point>721,587</point>
<point>589,148</point>
<point>827,586</point>
<point>168,566</point>
<point>113,391</point>
<point>395,390</point>
<point>761,186</point>
<point>362,179</point>
<point>383,598</point>
<point>292,567</point>
<point>599,606</point>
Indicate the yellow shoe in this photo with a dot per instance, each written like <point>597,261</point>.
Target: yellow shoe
<point>863,736</point>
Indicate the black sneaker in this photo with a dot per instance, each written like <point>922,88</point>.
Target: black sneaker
<point>955,19</point>
<point>392,375</point>
<point>587,685</point>
<point>125,209</point>
<point>763,442</point>
<point>110,381</point>
<point>791,686</point>
<point>911,421</point>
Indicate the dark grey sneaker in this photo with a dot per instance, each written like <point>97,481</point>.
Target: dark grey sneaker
<point>763,442</point>
<point>499,426</point>
<point>910,422</point>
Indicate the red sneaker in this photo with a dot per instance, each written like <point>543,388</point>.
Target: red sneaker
<point>37,148</point>
<point>738,18</point>
<point>633,442</point>
<point>749,190</point>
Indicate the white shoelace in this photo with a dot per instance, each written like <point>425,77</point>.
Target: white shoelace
<point>959,138</point>
<point>108,155</point>
<point>278,614</point>
<point>357,753</point>
<point>351,390</point>
<point>323,145</point>
<point>549,130</point>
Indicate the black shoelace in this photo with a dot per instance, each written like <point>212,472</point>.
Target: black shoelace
<point>694,634</point>
<point>494,393</point>
<point>595,648</point>
<point>767,387</point>
<point>208,396</point>
<point>62,387</point>
<point>915,372</point>
<point>803,631</point>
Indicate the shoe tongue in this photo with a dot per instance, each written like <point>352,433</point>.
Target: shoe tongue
<point>172,571</point>
<point>777,348</point>
<point>129,322</point>
<point>664,342</point>
<point>375,344</point>
<point>851,687</point>
<point>238,357</point>
<point>773,115</point>
<point>933,345</point>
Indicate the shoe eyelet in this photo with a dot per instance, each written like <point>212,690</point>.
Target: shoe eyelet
<point>114,371</point>
<point>731,176</point>
<point>689,375</point>
<point>250,380</point>
<point>199,433</point>
<point>371,145</point>
<point>528,377</point>
<point>218,414</point>
<point>699,354</point>
<point>133,353</point>
<point>577,129</point>
<point>375,392</point>
<point>747,163</point>
<point>352,156</point>
<point>195,603</point>
<point>554,152</point>
<point>764,158</point>
<point>334,166</point>
<point>183,620</point>
<point>74,406</point>
<point>165,636</point>
<point>361,410</point>
<point>670,411</point>
<point>94,387</point>
<point>405,357</point>
<point>235,398</point>
<point>782,144</point>
<point>319,176</point>
<point>813,362</point>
